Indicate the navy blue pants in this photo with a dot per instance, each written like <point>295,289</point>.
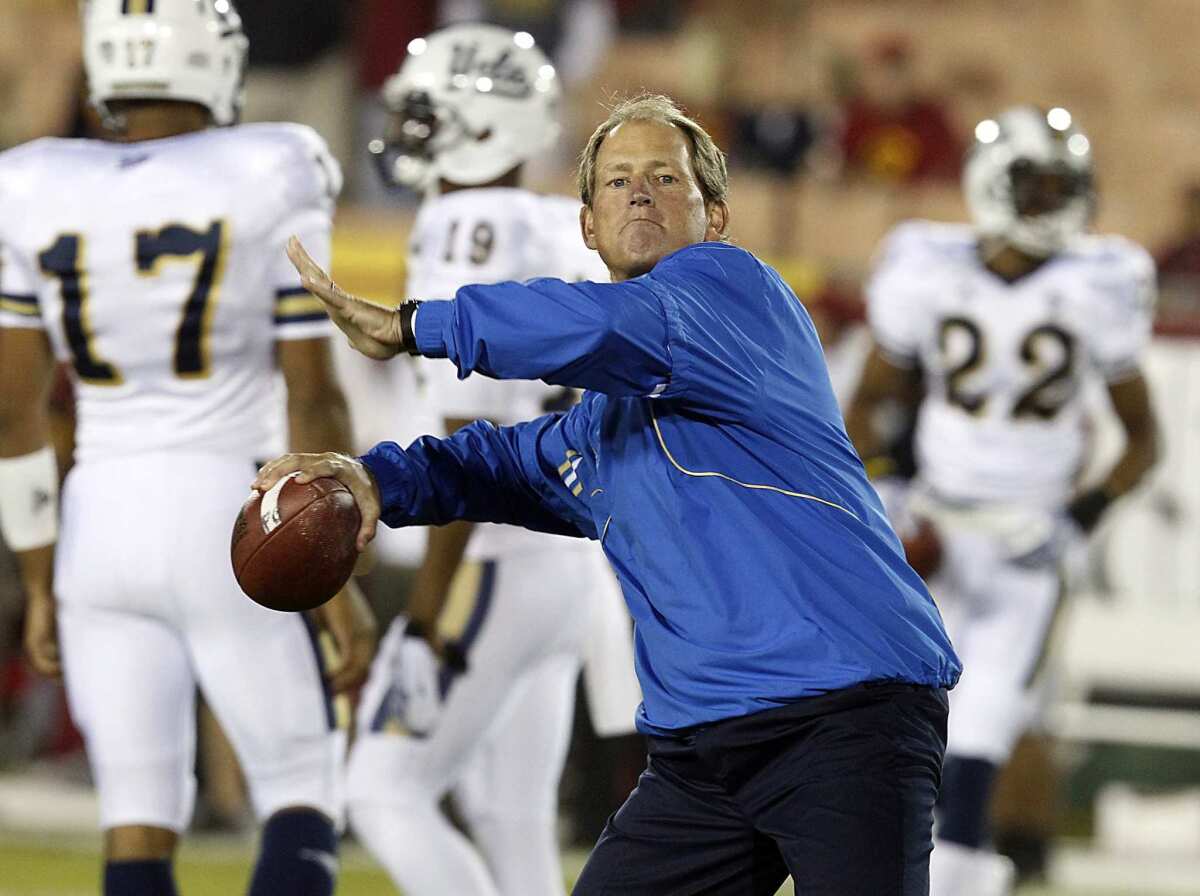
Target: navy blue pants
<point>836,790</point>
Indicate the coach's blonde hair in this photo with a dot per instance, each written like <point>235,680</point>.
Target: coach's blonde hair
<point>707,160</point>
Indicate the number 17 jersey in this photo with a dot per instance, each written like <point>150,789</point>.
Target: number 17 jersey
<point>1006,364</point>
<point>158,271</point>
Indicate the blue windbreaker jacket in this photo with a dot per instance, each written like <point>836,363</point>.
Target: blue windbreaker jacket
<point>708,456</point>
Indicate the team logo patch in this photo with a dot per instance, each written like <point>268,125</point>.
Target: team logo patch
<point>568,470</point>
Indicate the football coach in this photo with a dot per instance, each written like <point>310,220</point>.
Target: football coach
<point>794,667</point>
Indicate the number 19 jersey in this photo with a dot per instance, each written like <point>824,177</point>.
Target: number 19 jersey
<point>1005,364</point>
<point>158,271</point>
<point>489,235</point>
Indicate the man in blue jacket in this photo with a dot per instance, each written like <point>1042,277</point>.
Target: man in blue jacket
<point>793,665</point>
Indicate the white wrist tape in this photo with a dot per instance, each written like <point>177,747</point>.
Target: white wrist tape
<point>29,500</point>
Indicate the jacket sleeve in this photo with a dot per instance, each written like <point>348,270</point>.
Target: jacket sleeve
<point>482,473</point>
<point>607,337</point>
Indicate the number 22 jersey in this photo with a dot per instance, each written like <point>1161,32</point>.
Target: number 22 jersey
<point>1006,364</point>
<point>158,271</point>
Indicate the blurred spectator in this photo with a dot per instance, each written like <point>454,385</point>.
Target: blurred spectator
<point>40,69</point>
<point>660,17</point>
<point>299,68</point>
<point>383,30</point>
<point>776,138</point>
<point>837,311</point>
<point>894,132</point>
<point>1179,271</point>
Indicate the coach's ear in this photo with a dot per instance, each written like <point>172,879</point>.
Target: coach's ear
<point>587,227</point>
<point>717,214</point>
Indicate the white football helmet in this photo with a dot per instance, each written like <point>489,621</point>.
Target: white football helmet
<point>183,50</point>
<point>1028,179</point>
<point>470,103</point>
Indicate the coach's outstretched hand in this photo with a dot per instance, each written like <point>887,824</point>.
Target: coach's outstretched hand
<point>349,471</point>
<point>373,329</point>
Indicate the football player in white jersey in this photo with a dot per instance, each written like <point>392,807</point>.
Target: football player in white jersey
<point>1008,321</point>
<point>152,261</point>
<point>474,690</point>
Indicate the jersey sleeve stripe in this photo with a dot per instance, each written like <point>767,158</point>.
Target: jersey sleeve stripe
<point>290,291</point>
<point>19,304</point>
<point>312,317</point>
<point>298,308</point>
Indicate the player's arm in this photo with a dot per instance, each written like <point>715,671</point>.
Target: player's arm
<point>1130,398</point>
<point>318,420</point>
<point>29,484</point>
<point>882,383</point>
<point>1120,332</point>
<point>609,337</point>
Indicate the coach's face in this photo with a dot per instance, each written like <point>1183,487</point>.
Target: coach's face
<point>646,200</point>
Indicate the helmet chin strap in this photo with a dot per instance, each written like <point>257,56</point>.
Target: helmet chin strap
<point>112,122</point>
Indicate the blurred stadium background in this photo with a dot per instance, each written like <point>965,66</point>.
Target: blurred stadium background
<point>841,117</point>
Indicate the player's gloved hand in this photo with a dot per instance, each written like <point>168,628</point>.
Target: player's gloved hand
<point>349,471</point>
<point>349,620</point>
<point>41,635</point>
<point>1068,530</point>
<point>419,673</point>
<point>1087,508</point>
<point>1060,536</point>
<point>373,329</point>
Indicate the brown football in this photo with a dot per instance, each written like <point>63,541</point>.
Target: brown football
<point>923,549</point>
<point>293,547</point>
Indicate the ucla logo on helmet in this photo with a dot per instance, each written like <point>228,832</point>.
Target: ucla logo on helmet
<point>500,76</point>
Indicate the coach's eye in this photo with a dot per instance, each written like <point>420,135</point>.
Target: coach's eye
<point>618,182</point>
<point>666,178</point>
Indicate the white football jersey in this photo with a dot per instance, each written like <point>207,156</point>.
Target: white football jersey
<point>1006,364</point>
<point>158,271</point>
<point>489,235</point>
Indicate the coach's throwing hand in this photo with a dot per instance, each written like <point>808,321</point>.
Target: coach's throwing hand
<point>349,471</point>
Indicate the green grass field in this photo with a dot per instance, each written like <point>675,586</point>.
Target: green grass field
<point>33,865</point>
<point>36,867</point>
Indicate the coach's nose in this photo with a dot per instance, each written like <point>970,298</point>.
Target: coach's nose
<point>641,194</point>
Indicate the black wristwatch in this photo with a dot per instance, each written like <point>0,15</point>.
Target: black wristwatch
<point>408,339</point>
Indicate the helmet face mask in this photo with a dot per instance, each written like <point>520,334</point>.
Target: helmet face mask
<point>469,104</point>
<point>1045,189</point>
<point>165,50</point>
<point>1028,180</point>
<point>404,154</point>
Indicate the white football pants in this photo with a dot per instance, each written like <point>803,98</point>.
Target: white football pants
<point>499,743</point>
<point>148,611</point>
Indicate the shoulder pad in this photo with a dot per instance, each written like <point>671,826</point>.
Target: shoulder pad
<point>301,149</point>
<point>1113,253</point>
<point>19,165</point>
<point>923,242</point>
